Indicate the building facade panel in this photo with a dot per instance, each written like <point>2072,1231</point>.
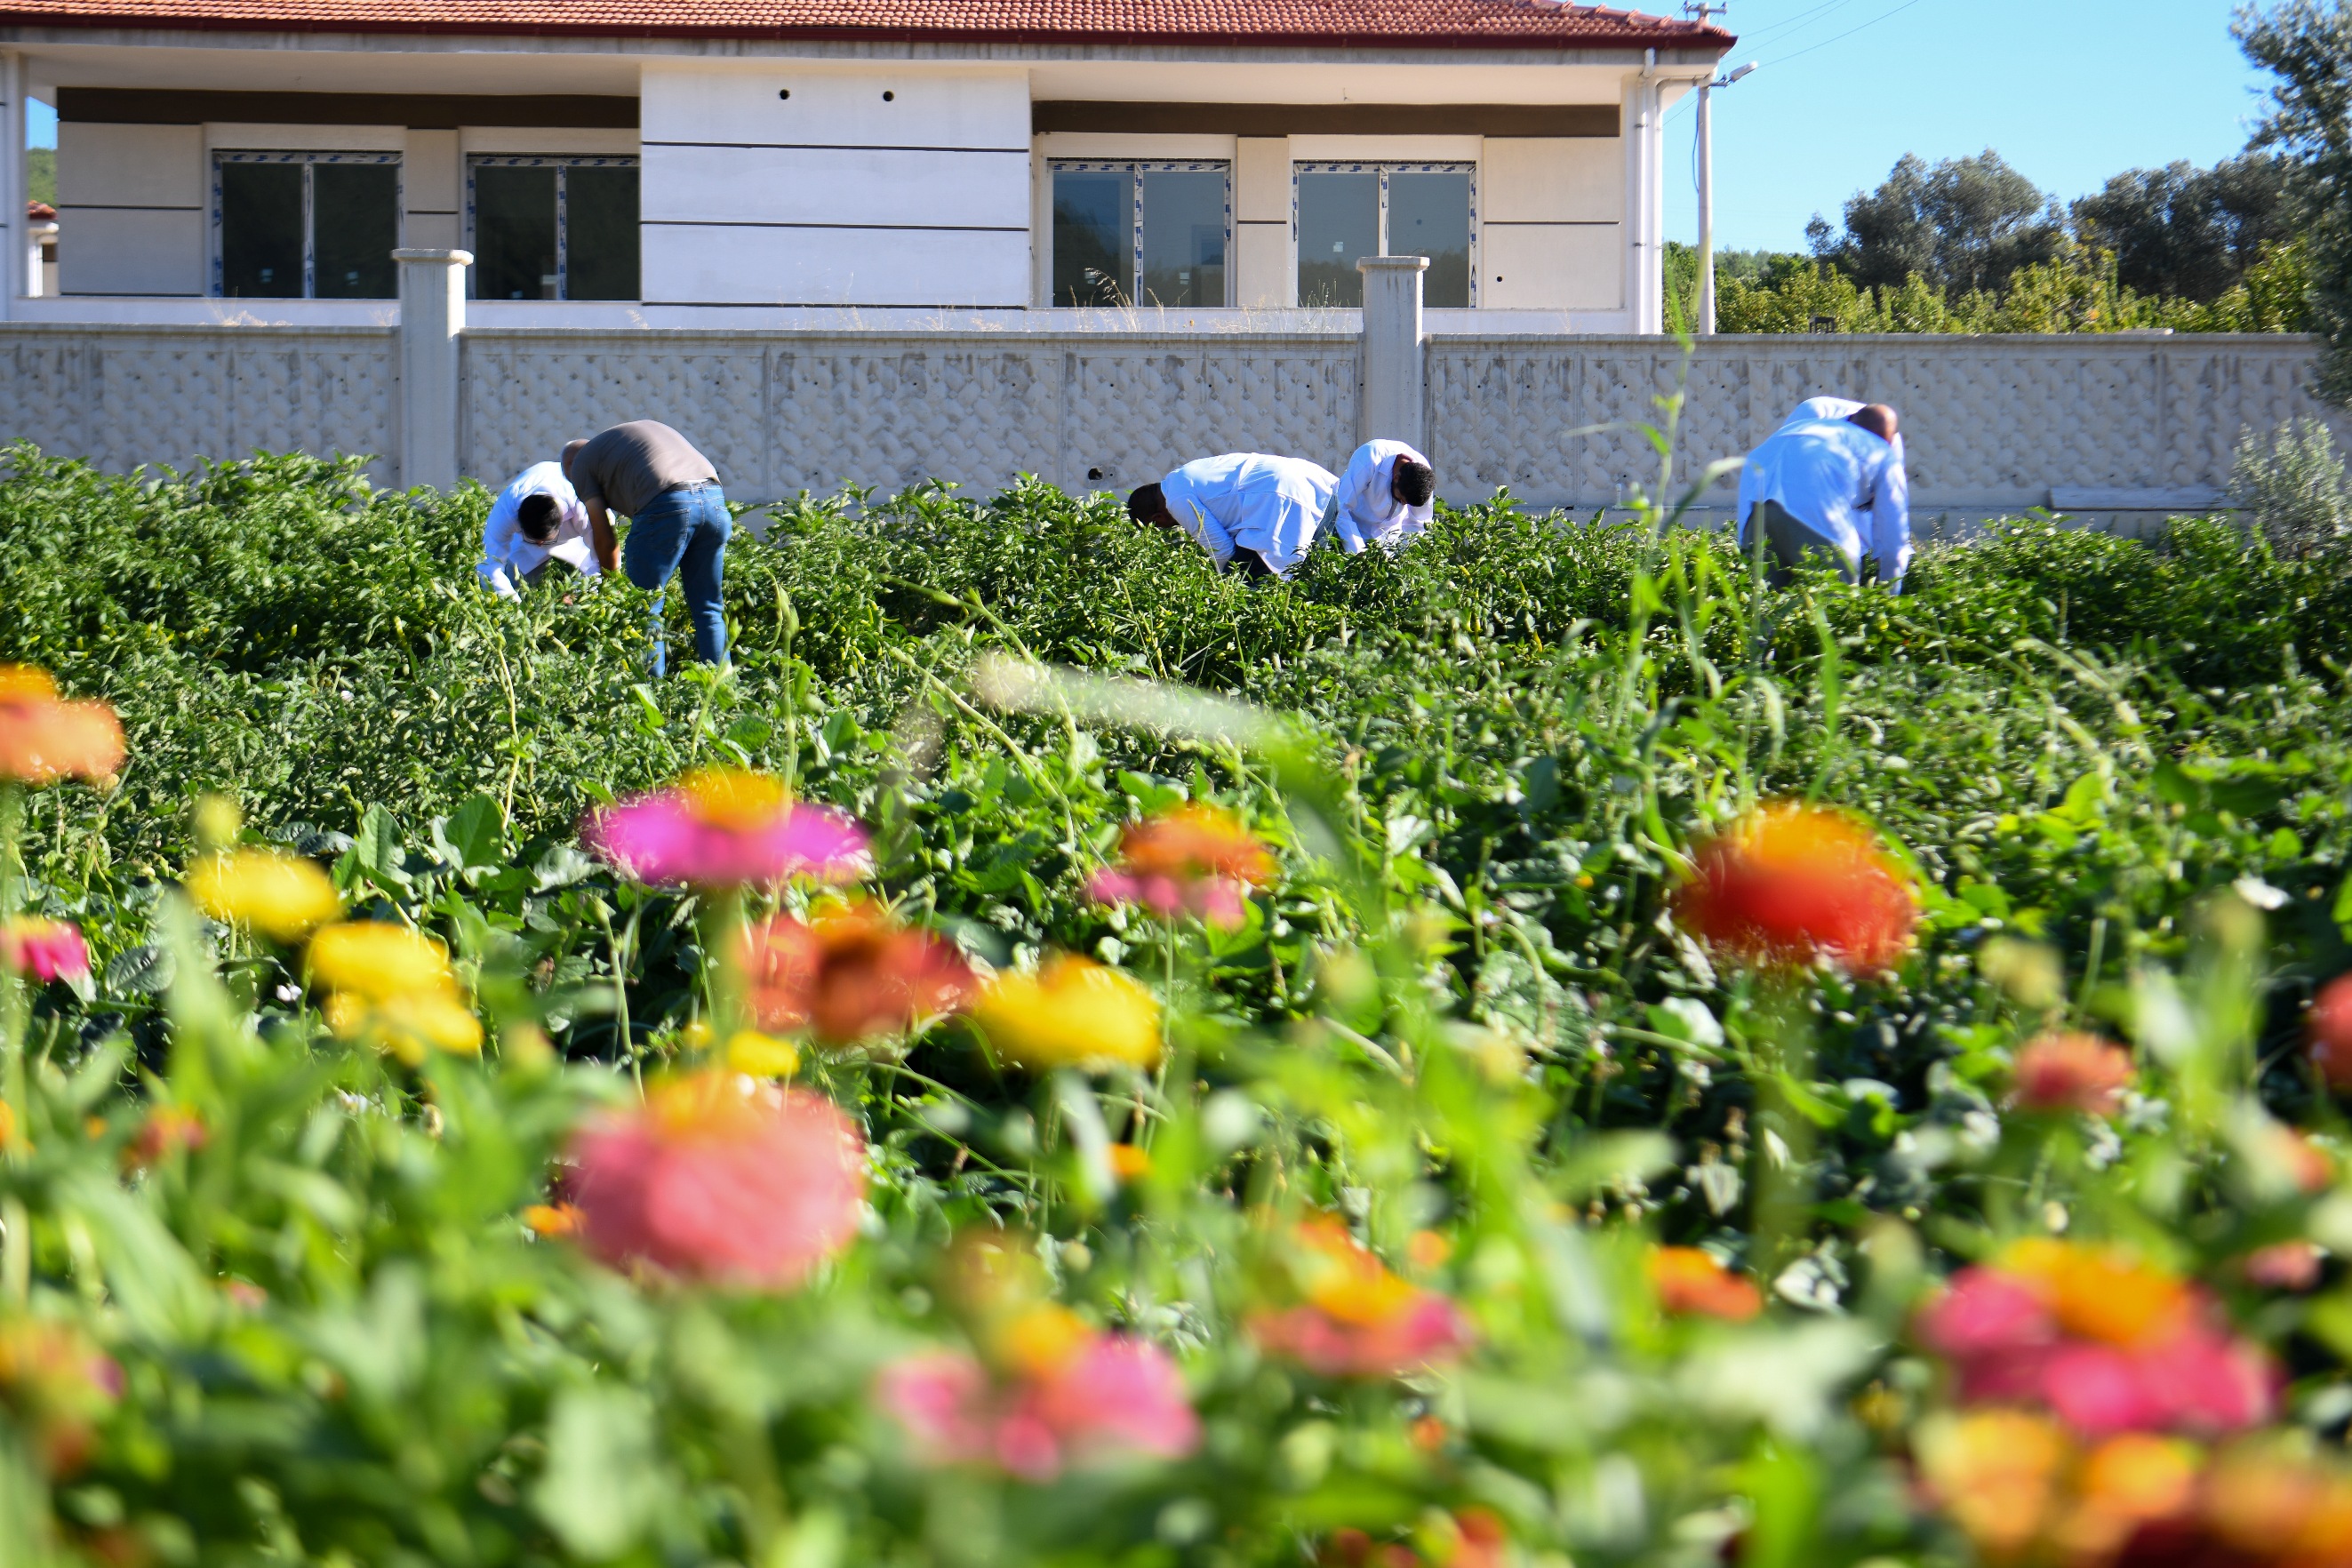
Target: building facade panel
<point>709,264</point>
<point>891,187</point>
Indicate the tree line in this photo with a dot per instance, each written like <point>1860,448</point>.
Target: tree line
<point>2260,242</point>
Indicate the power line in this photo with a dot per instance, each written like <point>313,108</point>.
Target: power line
<point>1849,33</point>
<point>1773,29</point>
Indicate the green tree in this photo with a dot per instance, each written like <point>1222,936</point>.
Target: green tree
<point>1963,224</point>
<point>2190,232</point>
<point>2307,45</point>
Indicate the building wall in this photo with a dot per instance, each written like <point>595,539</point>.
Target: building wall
<point>132,204</point>
<point>1991,424</point>
<point>126,397</point>
<point>837,195</point>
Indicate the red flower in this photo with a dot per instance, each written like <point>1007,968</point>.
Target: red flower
<point>1691,1283</point>
<point>2331,1031</point>
<point>58,1386</point>
<point>168,1129</point>
<point>714,1181</point>
<point>850,975</point>
<point>2072,1072</point>
<point>1795,881</point>
<point>1358,1320</point>
<point>1197,859</point>
<point>1067,1397</point>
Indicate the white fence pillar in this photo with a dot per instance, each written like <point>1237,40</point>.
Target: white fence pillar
<point>1393,403</point>
<point>432,314</point>
<point>15,282</point>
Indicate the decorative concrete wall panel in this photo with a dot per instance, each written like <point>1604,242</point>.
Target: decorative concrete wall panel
<point>127,396</point>
<point>1988,423</point>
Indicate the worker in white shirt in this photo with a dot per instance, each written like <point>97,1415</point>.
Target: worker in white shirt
<point>537,518</point>
<point>1813,408</point>
<point>1384,497</point>
<point>1258,513</point>
<point>1830,487</point>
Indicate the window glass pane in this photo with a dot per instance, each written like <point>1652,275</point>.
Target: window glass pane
<point>1094,244</point>
<point>1183,236</point>
<point>514,232</point>
<point>1429,215</point>
<point>355,217</point>
<point>600,232</point>
<point>1339,220</point>
<point>261,230</point>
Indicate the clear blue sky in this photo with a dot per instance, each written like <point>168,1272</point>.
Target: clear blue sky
<point>2070,91</point>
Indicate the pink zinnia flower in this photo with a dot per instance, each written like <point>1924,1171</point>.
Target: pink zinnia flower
<point>1358,1320</point>
<point>714,1181</point>
<point>1195,859</point>
<point>720,827</point>
<point>44,950</point>
<point>2071,1071</point>
<point>1095,1398</point>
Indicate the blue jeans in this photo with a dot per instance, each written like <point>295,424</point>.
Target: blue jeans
<point>683,532</point>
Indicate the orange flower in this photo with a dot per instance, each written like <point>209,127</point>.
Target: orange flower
<point>851,973</point>
<point>44,738</point>
<point>1356,1318</point>
<point>1997,1472</point>
<point>1691,1283</point>
<point>1796,882</point>
<point>1196,858</point>
<point>168,1129</point>
<point>2102,1293</point>
<point>1129,1164</point>
<point>552,1219</point>
<point>2072,1072</point>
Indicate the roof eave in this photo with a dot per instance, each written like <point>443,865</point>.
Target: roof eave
<point>1664,36</point>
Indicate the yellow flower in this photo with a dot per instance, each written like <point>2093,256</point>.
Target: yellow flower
<point>2101,1293</point>
<point>1072,1013</point>
<point>407,1025</point>
<point>762,1055</point>
<point>376,960</point>
<point>1041,1339</point>
<point>731,797</point>
<point>282,896</point>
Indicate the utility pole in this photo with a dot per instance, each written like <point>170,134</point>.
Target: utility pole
<point>1703,14</point>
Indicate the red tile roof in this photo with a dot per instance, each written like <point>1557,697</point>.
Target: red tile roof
<point>1455,23</point>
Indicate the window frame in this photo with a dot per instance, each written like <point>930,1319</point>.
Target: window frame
<point>561,162</point>
<point>1385,167</point>
<point>1136,168</point>
<point>309,158</point>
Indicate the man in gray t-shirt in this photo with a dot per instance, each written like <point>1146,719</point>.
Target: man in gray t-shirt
<point>678,523</point>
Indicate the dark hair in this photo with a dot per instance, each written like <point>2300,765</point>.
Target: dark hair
<point>1878,419</point>
<point>1145,503</point>
<point>1414,482</point>
<point>537,516</point>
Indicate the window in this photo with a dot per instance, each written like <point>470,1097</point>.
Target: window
<point>306,225</point>
<point>1141,233</point>
<point>1343,211</point>
<point>553,229</point>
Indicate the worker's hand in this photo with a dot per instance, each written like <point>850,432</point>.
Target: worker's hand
<point>600,534</point>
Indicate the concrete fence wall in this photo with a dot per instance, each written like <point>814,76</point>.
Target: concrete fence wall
<point>2100,425</point>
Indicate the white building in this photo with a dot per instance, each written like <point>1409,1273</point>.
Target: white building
<point>888,162</point>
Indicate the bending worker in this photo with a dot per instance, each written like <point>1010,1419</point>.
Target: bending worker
<point>537,518</point>
<point>1258,513</point>
<point>678,523</point>
<point>1384,497</point>
<point>1830,488</point>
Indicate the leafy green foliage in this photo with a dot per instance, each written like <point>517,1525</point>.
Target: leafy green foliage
<point>1465,1008</point>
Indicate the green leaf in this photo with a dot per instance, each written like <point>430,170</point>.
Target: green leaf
<point>601,1485</point>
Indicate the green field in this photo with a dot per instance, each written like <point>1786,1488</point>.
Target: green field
<point>1463,1019</point>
